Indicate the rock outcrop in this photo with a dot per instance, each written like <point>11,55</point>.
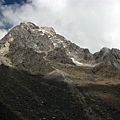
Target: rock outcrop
<point>27,42</point>
<point>108,56</point>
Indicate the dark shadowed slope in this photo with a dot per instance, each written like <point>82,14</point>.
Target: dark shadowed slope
<point>31,97</point>
<point>54,96</point>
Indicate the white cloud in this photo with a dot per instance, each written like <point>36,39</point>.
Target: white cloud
<point>2,33</point>
<point>89,23</point>
<point>55,5</point>
<point>1,23</point>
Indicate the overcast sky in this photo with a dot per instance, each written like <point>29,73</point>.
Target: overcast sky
<point>90,24</point>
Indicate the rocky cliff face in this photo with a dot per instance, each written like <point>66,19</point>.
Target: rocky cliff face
<point>46,77</point>
<point>108,56</point>
<point>27,42</point>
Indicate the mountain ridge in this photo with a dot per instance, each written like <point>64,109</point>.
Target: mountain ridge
<point>53,47</point>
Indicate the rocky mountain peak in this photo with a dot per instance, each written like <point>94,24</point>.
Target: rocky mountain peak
<point>108,56</point>
<point>34,28</point>
<point>48,30</point>
<point>29,25</point>
<point>105,50</point>
<point>44,44</point>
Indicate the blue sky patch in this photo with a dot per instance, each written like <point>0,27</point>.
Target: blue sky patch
<point>8,2</point>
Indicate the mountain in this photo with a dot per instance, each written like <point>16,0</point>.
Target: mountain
<point>45,76</point>
<point>108,56</point>
<point>28,40</point>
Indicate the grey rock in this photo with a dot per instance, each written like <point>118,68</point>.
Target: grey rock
<point>32,45</point>
<point>28,43</point>
<point>108,56</point>
<point>59,55</point>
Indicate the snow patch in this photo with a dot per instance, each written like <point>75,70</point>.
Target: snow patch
<point>39,30</point>
<point>42,34</point>
<point>55,44</point>
<point>81,64</point>
<point>49,36</point>
<point>76,62</point>
<point>43,31</point>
